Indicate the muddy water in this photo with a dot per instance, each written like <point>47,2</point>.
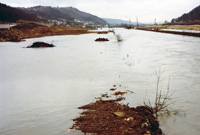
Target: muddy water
<point>40,89</point>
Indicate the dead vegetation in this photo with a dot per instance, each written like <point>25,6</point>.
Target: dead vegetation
<point>178,27</point>
<point>161,29</point>
<point>40,45</point>
<point>110,117</point>
<point>184,27</point>
<point>12,35</point>
<point>102,32</point>
<point>102,39</point>
<point>33,30</point>
<point>162,101</point>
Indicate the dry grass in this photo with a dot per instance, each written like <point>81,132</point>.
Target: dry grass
<point>157,26</point>
<point>184,27</point>
<point>33,30</point>
<point>25,21</point>
<point>178,27</point>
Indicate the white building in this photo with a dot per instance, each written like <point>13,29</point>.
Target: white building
<point>4,26</point>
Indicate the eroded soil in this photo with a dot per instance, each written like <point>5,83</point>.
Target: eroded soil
<point>111,117</point>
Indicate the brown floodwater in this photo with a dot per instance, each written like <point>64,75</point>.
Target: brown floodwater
<point>40,89</point>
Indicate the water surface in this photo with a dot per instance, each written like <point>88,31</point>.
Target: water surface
<point>40,89</point>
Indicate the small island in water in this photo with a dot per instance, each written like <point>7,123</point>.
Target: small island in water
<point>40,45</point>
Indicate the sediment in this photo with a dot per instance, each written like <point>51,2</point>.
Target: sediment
<point>159,29</point>
<point>110,117</point>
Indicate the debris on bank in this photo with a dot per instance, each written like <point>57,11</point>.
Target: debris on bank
<point>40,44</point>
<point>25,30</point>
<point>111,117</point>
<point>102,32</point>
<point>11,35</point>
<point>169,31</point>
<point>102,39</point>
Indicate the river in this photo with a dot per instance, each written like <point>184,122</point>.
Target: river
<point>40,89</point>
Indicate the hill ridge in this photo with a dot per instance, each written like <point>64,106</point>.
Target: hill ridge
<point>68,14</point>
<point>52,15</point>
<point>11,14</point>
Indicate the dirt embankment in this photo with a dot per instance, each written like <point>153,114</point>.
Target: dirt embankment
<point>110,117</point>
<point>32,30</point>
<point>178,27</point>
<point>162,28</point>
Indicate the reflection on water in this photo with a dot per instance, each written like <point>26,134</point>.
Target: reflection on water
<point>40,89</point>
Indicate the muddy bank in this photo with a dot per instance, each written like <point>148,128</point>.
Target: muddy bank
<point>177,27</point>
<point>110,117</point>
<point>33,30</point>
<point>159,28</point>
<point>171,32</point>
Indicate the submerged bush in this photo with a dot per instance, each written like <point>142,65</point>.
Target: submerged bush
<point>162,101</point>
<point>40,44</point>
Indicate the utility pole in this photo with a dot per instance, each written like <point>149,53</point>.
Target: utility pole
<point>137,20</point>
<point>155,22</point>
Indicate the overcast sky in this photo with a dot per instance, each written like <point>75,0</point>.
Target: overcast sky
<point>145,10</point>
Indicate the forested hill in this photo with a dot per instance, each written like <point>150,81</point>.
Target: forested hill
<point>10,14</point>
<point>64,13</point>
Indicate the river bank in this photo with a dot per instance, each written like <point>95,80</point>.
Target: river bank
<point>33,30</point>
<point>188,30</point>
<point>42,88</point>
<point>109,116</point>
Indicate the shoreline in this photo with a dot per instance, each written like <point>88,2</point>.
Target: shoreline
<point>110,116</point>
<point>24,31</point>
<point>31,30</point>
<point>174,29</point>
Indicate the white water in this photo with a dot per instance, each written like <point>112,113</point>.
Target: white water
<point>40,89</point>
